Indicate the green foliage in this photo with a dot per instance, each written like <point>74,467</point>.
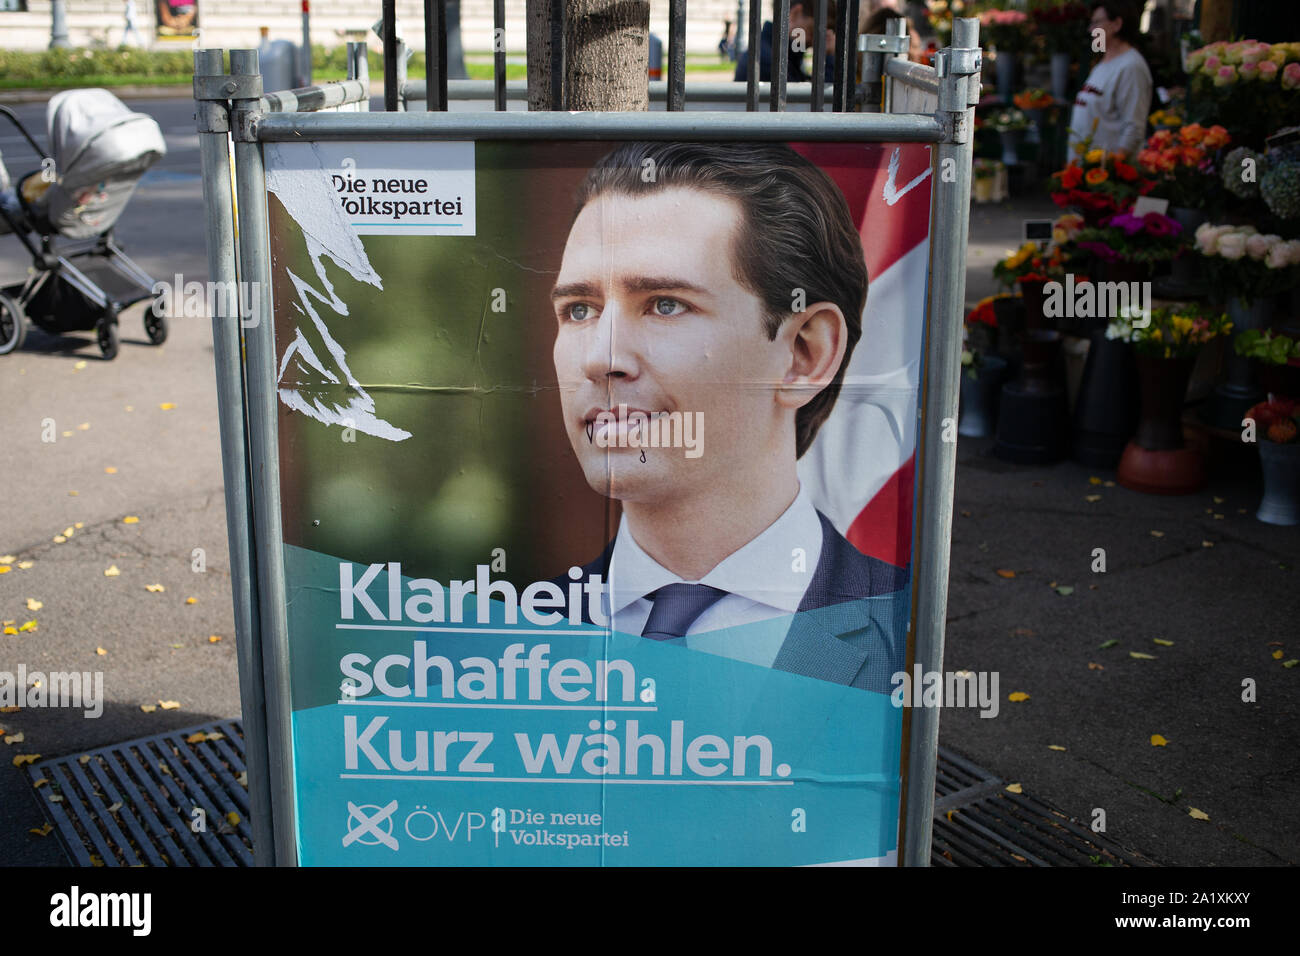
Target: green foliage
<point>1267,346</point>
<point>57,67</point>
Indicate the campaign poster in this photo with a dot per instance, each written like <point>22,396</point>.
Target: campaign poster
<point>596,484</point>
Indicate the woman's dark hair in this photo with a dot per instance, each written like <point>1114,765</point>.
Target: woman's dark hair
<point>1130,13</point>
<point>796,232</point>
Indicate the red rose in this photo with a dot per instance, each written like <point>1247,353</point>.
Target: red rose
<point>1071,176</point>
<point>1125,171</point>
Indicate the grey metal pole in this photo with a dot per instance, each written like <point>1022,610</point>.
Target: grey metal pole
<point>780,54</point>
<point>819,57</point>
<point>58,25</point>
<point>264,466</point>
<point>391,87</point>
<point>214,156</point>
<point>676,55</point>
<point>499,53</point>
<point>937,458</point>
<point>894,27</point>
<point>305,59</point>
<point>752,72</point>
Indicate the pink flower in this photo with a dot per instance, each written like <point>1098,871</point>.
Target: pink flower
<point>1291,76</point>
<point>1257,246</point>
<point>1232,245</point>
<point>1292,251</point>
<point>1225,76</point>
<point>1267,71</point>
<point>1207,238</point>
<point>1161,226</point>
<point>1253,54</point>
<point>1212,64</point>
<point>1249,71</point>
<point>1279,256</point>
<point>1232,52</point>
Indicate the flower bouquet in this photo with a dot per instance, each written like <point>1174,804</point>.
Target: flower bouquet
<point>1174,332</point>
<point>1004,30</point>
<point>1182,163</point>
<point>1008,121</point>
<point>981,328</point>
<point>1276,420</point>
<point>1125,237</point>
<point>1029,263</point>
<point>1278,371</point>
<point>1099,184</point>
<point>1034,98</point>
<point>1246,264</point>
<point>1063,24</point>
<point>1248,86</point>
<point>1165,119</point>
<point>1277,430</point>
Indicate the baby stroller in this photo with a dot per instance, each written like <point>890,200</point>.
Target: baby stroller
<point>64,213</point>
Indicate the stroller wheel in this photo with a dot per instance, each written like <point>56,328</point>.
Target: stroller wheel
<point>13,325</point>
<point>106,334</point>
<point>155,326</point>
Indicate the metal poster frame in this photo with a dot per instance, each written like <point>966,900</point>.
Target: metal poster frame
<point>231,109</point>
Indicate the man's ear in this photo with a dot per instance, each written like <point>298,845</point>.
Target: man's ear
<point>818,339</point>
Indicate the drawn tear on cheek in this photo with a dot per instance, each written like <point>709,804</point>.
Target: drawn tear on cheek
<point>591,431</point>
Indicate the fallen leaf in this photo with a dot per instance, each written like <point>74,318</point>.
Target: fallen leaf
<point>1094,480</point>
<point>1158,741</point>
<point>66,434</point>
<point>79,366</point>
<point>1093,666</point>
<point>1065,590</point>
<point>1207,544</point>
<point>965,514</point>
<point>233,818</point>
<point>1218,500</point>
<point>72,494</point>
<point>111,571</point>
<point>59,539</point>
<point>191,600</point>
<point>1139,656</point>
<point>1162,642</point>
<point>29,626</point>
<point>11,709</point>
<point>1051,584</point>
<point>197,737</point>
<point>56,798</point>
<point>129,408</point>
<point>1111,643</point>
<point>83,759</point>
<point>148,708</point>
<point>177,647</point>
<point>8,558</point>
<point>1209,511</point>
<point>34,605</point>
<point>1005,573</point>
<point>155,588</point>
<point>130,519</point>
<point>1055,747</point>
<point>165,769</point>
<point>214,638</point>
<point>45,830</point>
<point>1291,663</point>
<point>24,565</point>
<point>1277,654</point>
<point>1092,587</point>
<point>1197,814</point>
<point>84,426</point>
<point>5,569</point>
<point>167,406</point>
<point>1274,643</point>
<point>169,704</point>
<point>40,783</point>
<point>1157,534</point>
<point>1092,497</point>
<point>1014,788</point>
<point>95,860</point>
<point>15,738</point>
<point>1108,484</point>
<point>110,470</point>
<point>100,651</point>
<point>26,758</point>
<point>1218,517</point>
<point>1022,632</point>
<point>1017,696</point>
<point>115,806</point>
<point>949,815</point>
<point>242,779</point>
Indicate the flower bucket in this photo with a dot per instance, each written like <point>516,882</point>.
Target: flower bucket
<point>979,398</point>
<point>1060,65</point>
<point>1280,465</point>
<point>1005,64</point>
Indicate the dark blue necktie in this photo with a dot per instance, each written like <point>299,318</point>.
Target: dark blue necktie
<point>675,607</point>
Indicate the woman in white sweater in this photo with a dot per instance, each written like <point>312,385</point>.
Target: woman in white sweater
<point>1116,97</point>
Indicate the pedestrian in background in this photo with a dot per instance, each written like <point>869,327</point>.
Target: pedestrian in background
<point>1113,104</point>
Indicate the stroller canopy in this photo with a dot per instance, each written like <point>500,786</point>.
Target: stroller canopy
<point>100,149</point>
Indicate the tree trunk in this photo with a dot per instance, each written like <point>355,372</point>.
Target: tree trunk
<point>606,54</point>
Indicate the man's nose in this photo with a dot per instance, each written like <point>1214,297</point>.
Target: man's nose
<point>611,347</point>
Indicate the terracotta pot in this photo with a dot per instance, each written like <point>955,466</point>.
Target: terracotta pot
<point>1157,460</point>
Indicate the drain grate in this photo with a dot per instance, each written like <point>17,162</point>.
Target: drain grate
<point>173,799</point>
<point>978,823</point>
<point>134,803</point>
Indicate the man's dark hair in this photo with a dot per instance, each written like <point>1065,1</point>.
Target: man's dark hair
<point>796,232</point>
<point>809,10</point>
<point>1124,10</point>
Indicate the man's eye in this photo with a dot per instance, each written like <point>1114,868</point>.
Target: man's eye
<point>580,312</point>
<point>668,307</point>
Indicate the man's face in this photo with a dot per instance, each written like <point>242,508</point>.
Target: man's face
<point>650,315</point>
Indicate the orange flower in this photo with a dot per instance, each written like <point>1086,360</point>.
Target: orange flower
<point>1215,137</point>
<point>1125,172</point>
<point>1192,134</point>
<point>1161,138</point>
<point>1192,155</point>
<point>1096,175</point>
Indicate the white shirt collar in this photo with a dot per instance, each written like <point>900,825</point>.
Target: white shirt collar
<point>767,570</point>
